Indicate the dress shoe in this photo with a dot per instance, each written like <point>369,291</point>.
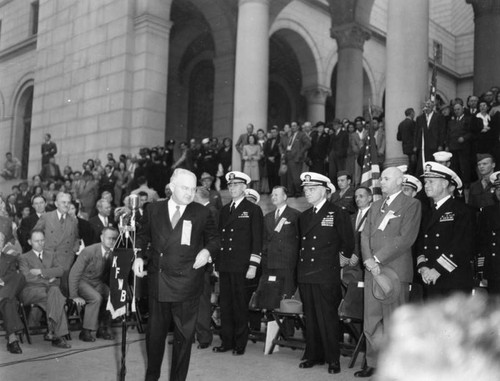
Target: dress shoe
<point>221,349</point>
<point>14,347</point>
<point>59,342</point>
<point>310,363</point>
<point>86,335</point>
<point>203,346</point>
<point>334,367</point>
<point>365,372</point>
<point>49,336</point>
<point>238,351</point>
<point>105,333</point>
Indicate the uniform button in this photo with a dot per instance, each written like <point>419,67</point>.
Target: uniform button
<point>161,270</point>
<point>425,236</point>
<point>230,248</point>
<point>437,235</point>
<point>161,254</point>
<point>451,255</point>
<point>493,233</point>
<point>425,247</point>
<point>232,230</point>
<point>312,259</point>
<point>437,247</point>
<point>493,243</point>
<point>230,239</point>
<point>302,259</point>
<point>223,230</point>
<point>493,254</point>
<point>314,237</point>
<point>221,249</point>
<point>303,237</point>
<point>312,248</point>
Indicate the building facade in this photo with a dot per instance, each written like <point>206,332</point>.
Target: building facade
<point>116,75</point>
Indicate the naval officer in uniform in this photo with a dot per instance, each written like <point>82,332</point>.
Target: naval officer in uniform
<point>326,236</point>
<point>240,225</point>
<point>446,240</point>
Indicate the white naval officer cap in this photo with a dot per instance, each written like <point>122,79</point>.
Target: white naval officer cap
<point>252,194</point>
<point>235,177</point>
<point>442,156</point>
<point>316,179</point>
<point>413,182</point>
<point>440,171</point>
<point>403,168</point>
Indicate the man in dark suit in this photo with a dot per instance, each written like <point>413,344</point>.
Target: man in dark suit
<point>327,236</point>
<point>339,142</point>
<point>49,149</point>
<point>102,219</point>
<point>318,153</point>
<point>459,143</point>
<point>204,322</point>
<point>272,155</point>
<point>11,284</point>
<point>429,134</point>
<point>406,135</point>
<point>489,239</point>
<point>363,197</point>
<point>447,238</point>
<point>390,229</point>
<point>87,286</point>
<point>42,272</point>
<point>61,235</point>
<point>240,226</point>
<point>293,152</point>
<point>280,246</point>
<point>27,224</point>
<point>108,181</point>
<point>183,237</point>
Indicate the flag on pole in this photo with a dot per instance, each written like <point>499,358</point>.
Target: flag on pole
<point>370,171</point>
<point>433,89</point>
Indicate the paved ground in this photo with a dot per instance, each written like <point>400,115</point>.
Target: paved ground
<point>100,361</point>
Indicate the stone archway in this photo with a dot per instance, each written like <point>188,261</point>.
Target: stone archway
<point>21,128</point>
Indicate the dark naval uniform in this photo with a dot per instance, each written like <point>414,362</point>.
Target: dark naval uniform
<point>489,246</point>
<point>446,243</point>
<point>324,235</point>
<point>241,246</point>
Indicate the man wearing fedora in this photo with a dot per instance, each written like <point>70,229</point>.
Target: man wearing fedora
<point>446,242</point>
<point>327,239</point>
<point>390,230</point>
<point>240,227</point>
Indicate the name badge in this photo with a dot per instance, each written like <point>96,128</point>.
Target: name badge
<point>187,227</point>
<point>272,278</point>
<point>278,227</point>
<point>389,216</point>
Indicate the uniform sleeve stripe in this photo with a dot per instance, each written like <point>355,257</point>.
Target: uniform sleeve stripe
<point>255,258</point>
<point>446,263</point>
<point>421,259</point>
<point>480,261</point>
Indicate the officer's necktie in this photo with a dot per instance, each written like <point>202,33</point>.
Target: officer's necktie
<point>176,217</point>
<point>231,209</point>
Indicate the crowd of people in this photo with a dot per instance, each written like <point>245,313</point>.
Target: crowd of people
<point>438,235</point>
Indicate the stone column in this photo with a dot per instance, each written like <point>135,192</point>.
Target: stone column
<point>150,67</point>
<point>252,69</point>
<point>407,80</point>
<point>349,92</point>
<point>486,44</point>
<point>316,98</point>
<point>223,96</point>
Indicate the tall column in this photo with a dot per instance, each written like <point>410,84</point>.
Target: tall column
<point>252,69</point>
<point>486,44</point>
<point>223,95</point>
<point>407,81</point>
<point>349,92</point>
<point>316,98</point>
<point>150,67</point>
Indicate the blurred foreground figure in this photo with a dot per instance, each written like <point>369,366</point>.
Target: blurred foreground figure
<point>455,339</point>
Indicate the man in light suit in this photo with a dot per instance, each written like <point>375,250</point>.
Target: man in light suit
<point>61,235</point>
<point>293,153</point>
<point>183,238</point>
<point>390,230</point>
<point>42,273</point>
<point>87,286</point>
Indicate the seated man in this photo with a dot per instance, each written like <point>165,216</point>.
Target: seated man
<point>87,285</point>
<point>42,272</point>
<point>11,284</point>
<point>11,168</point>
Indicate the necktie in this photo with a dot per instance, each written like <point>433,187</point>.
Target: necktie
<point>384,205</point>
<point>105,221</point>
<point>176,217</point>
<point>315,210</point>
<point>61,219</point>
<point>358,219</point>
<point>277,216</point>
<point>231,209</point>
<point>106,268</point>
<point>40,256</point>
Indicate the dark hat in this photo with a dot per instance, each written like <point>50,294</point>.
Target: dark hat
<point>235,177</point>
<point>320,123</point>
<point>206,175</point>
<point>170,142</point>
<point>344,173</point>
<point>386,285</point>
<point>482,156</point>
<point>440,171</point>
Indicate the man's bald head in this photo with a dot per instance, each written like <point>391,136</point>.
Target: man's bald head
<point>391,181</point>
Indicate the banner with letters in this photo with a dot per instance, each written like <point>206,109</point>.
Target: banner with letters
<point>120,267</point>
